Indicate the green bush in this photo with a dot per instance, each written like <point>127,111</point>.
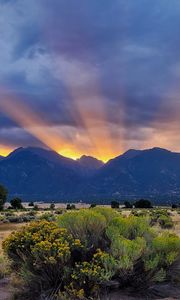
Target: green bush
<point>86,225</point>
<point>161,217</point>
<point>165,222</point>
<point>129,228</point>
<point>47,216</point>
<point>108,213</point>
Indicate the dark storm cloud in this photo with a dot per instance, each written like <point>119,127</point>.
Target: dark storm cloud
<point>131,47</point>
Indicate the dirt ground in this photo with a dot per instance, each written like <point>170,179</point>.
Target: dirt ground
<point>5,291</point>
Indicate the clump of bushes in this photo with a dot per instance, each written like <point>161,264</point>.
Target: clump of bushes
<point>140,213</point>
<point>161,217</point>
<point>87,250</point>
<point>11,217</point>
<point>47,216</point>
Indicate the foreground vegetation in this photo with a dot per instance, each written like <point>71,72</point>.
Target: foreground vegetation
<point>81,253</point>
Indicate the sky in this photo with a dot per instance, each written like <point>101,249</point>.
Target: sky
<point>89,77</point>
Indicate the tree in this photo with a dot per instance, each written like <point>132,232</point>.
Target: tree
<point>142,203</point>
<point>31,203</point>
<point>3,196</point>
<point>36,208</point>
<point>174,206</point>
<point>16,203</point>
<point>69,206</point>
<point>128,204</point>
<point>93,205</point>
<point>114,204</point>
<point>52,206</point>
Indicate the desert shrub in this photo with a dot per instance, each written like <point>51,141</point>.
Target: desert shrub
<point>86,225</point>
<point>9,213</point>
<point>59,211</point>
<point>25,217</point>
<point>87,277</point>
<point>108,213</point>
<point>142,257</point>
<point>129,238</point>
<point>129,228</point>
<point>43,253</point>
<point>32,213</point>
<point>161,217</point>
<point>31,204</point>
<point>140,213</point>
<point>164,251</point>
<point>15,219</point>
<point>2,218</point>
<point>47,216</point>
<point>86,250</point>
<point>165,221</point>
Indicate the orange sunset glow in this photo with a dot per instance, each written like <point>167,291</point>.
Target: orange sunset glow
<point>98,138</point>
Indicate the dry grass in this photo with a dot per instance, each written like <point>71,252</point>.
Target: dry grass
<point>176,220</point>
<point>5,230</point>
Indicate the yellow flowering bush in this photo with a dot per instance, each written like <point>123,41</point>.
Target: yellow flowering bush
<point>89,276</point>
<point>44,251</point>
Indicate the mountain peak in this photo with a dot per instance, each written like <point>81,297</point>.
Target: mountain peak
<point>90,162</point>
<point>131,153</point>
<point>159,149</point>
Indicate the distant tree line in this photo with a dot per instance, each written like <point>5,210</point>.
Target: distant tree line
<point>142,203</point>
<point>16,203</point>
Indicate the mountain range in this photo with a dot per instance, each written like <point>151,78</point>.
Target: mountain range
<point>40,174</point>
